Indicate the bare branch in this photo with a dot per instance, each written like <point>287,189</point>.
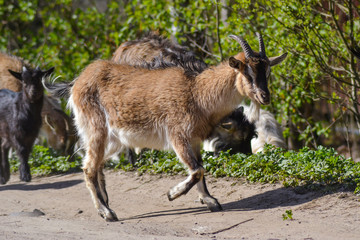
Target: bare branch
<point>202,49</point>
<point>217,28</point>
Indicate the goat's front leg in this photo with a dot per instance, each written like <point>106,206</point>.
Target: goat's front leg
<point>204,195</point>
<point>23,154</point>
<point>193,161</point>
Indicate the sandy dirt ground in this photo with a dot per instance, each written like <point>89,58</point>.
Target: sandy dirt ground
<point>60,207</point>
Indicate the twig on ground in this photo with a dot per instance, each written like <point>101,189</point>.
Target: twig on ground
<point>228,228</point>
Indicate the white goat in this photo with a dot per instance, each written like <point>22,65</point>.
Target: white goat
<point>268,130</point>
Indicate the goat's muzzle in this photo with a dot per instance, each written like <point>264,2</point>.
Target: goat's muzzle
<point>263,97</point>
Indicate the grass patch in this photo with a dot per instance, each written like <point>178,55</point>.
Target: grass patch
<point>306,167</point>
<point>46,161</point>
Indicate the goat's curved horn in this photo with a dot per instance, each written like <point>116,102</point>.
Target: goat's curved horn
<point>261,45</point>
<point>245,46</point>
<point>46,120</point>
<point>66,125</point>
<point>37,68</point>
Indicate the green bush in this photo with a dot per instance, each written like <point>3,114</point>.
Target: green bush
<point>307,167</point>
<point>69,35</point>
<point>45,161</point>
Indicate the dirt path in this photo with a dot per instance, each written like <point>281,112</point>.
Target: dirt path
<point>251,211</point>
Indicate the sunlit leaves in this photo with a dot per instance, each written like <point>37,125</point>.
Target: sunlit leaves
<point>319,167</point>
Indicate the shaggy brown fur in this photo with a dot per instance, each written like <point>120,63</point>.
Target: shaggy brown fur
<point>6,79</point>
<point>154,50</point>
<point>117,106</point>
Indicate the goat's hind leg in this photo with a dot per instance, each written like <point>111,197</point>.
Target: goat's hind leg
<point>95,180</point>
<point>4,163</point>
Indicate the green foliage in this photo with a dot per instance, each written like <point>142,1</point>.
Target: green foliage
<point>288,215</point>
<point>320,167</point>
<point>319,68</point>
<point>310,168</point>
<point>45,161</point>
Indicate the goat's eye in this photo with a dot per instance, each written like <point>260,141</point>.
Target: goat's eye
<point>249,73</point>
<point>227,126</point>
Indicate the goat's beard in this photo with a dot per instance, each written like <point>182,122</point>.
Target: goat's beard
<point>254,111</point>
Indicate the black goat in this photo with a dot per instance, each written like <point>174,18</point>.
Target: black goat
<point>234,132</point>
<point>20,120</point>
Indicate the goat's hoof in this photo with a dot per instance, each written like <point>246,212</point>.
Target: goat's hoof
<point>109,215</point>
<point>169,196</point>
<point>3,180</point>
<point>212,204</point>
<point>25,178</point>
<point>172,195</point>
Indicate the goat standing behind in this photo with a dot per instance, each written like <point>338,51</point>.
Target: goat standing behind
<point>154,49</point>
<point>20,120</point>
<point>117,106</point>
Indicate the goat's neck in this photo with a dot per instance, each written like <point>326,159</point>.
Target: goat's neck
<point>215,92</point>
<point>32,105</point>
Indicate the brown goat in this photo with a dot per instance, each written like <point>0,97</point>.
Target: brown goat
<point>117,106</point>
<point>6,79</point>
<point>57,127</point>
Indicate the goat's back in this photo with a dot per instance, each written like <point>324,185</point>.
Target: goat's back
<point>133,96</point>
<point>154,50</point>
<point>146,50</point>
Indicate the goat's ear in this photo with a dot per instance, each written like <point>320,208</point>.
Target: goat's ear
<point>276,60</point>
<point>48,72</point>
<point>17,75</point>
<point>235,63</point>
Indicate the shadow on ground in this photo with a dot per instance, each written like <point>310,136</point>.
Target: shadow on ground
<point>34,187</point>
<point>281,197</point>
